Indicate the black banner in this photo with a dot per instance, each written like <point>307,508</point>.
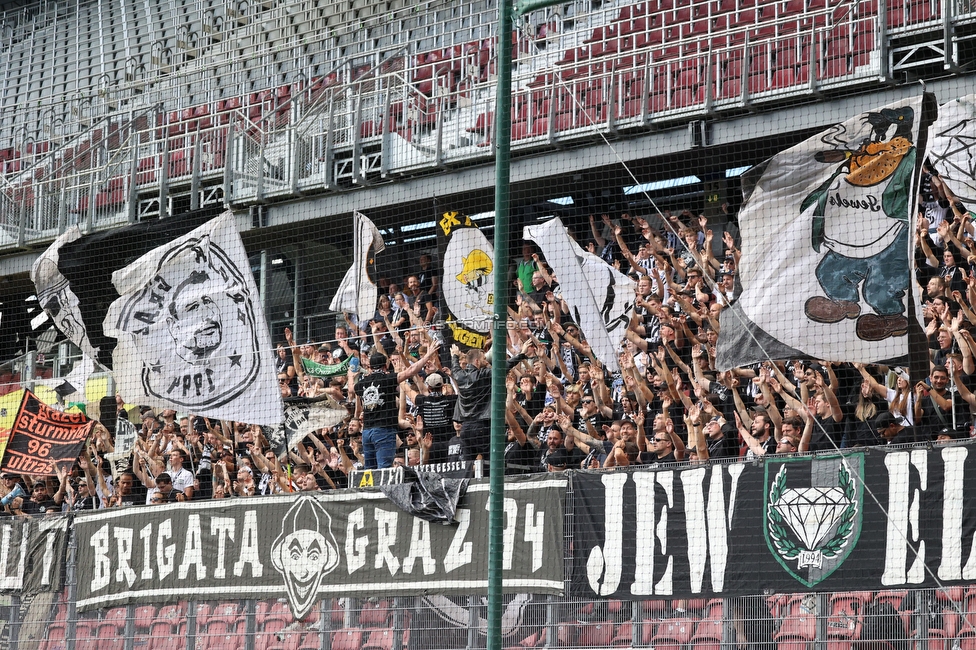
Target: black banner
<point>316,544</point>
<point>33,553</point>
<point>869,520</point>
<point>42,437</point>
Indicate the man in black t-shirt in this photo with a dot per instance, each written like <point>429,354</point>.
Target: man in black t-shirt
<point>520,457</point>
<point>39,501</point>
<point>376,402</point>
<point>436,410</point>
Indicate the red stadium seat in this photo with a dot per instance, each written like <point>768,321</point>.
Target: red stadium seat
<point>673,633</point>
<point>374,614</point>
<point>347,639</point>
<point>595,635</point>
<point>379,639</point>
<point>799,625</point>
<point>164,631</point>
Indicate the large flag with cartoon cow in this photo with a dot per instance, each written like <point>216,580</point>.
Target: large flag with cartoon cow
<point>826,230</point>
<point>468,283</point>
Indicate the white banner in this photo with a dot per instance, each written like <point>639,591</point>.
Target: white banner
<point>191,330</point>
<point>356,293</point>
<point>600,296</point>
<point>825,245</point>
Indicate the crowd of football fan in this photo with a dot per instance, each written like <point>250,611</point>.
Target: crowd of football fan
<point>412,402</point>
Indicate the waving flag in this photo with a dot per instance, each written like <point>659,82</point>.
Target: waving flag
<point>468,284</point>
<point>952,147</point>
<point>357,292</point>
<point>825,244</point>
<point>303,416</point>
<point>599,295</point>
<point>55,295</point>
<point>191,330</point>
<point>73,277</point>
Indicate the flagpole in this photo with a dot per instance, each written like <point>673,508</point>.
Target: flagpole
<point>499,340</point>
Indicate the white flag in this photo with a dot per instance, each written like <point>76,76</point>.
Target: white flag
<point>55,296</point>
<point>191,330</point>
<point>825,245</point>
<point>357,294</point>
<point>952,147</point>
<point>600,296</point>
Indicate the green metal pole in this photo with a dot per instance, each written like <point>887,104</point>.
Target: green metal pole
<point>496,494</point>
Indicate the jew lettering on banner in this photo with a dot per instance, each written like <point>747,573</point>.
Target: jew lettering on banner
<point>825,244</point>
<point>317,544</point>
<point>357,292</point>
<point>302,417</point>
<point>125,440</point>
<point>191,330</point>
<point>884,518</point>
<point>952,147</point>
<point>73,277</point>
<point>600,297</point>
<point>468,284</point>
<point>42,437</point>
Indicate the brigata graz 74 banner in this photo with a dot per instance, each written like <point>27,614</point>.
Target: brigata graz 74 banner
<point>872,520</point>
<point>309,545</point>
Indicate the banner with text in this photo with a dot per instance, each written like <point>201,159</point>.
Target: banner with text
<point>42,437</point>
<point>33,553</point>
<point>317,544</point>
<point>868,520</point>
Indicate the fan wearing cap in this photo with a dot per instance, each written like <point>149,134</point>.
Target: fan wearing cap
<point>436,410</point>
<point>893,430</point>
<point>376,403</point>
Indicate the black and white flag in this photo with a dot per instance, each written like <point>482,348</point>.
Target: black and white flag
<point>125,441</point>
<point>73,277</point>
<point>55,295</point>
<point>600,296</point>
<point>191,330</point>
<point>302,417</point>
<point>952,147</point>
<point>357,292</point>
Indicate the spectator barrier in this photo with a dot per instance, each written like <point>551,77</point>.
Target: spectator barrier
<point>875,545</point>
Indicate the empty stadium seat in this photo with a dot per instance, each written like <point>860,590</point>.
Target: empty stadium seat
<point>595,635</point>
<point>673,633</point>
<point>223,628</point>
<point>374,614</point>
<point>379,639</point>
<point>347,639</point>
<point>164,631</point>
